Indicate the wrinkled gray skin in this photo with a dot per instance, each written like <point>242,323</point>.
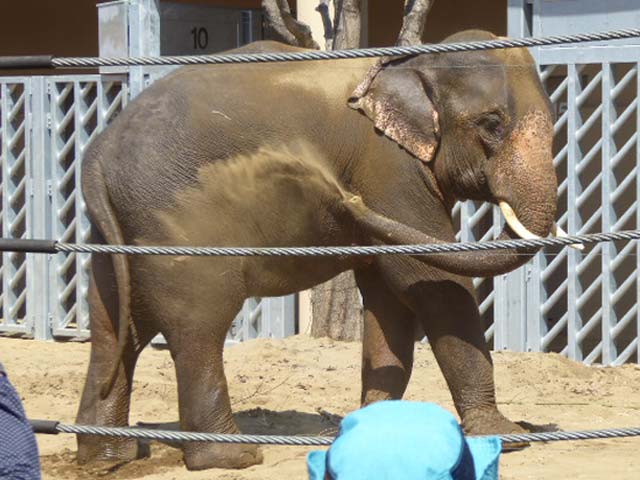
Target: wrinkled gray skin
<point>315,153</point>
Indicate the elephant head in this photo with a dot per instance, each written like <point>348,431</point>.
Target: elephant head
<point>481,125</point>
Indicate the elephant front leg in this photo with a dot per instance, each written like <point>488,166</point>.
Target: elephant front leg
<point>388,341</point>
<point>451,320</point>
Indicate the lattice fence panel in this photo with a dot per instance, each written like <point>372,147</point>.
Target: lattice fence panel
<point>14,214</point>
<point>548,285</point>
<point>248,323</point>
<point>620,198</point>
<point>263,318</point>
<point>79,110</point>
<point>583,305</point>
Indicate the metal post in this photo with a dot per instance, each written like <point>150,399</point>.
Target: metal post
<point>54,115</point>
<point>496,281</point>
<point>637,249</point>
<point>573,323</point>
<point>515,298</point>
<point>608,215</point>
<point>279,313</point>
<point>501,313</point>
<point>519,18</point>
<point>144,38</point>
<point>245,30</point>
<point>38,264</point>
<point>84,103</point>
<point>251,310</point>
<point>535,297</point>
<point>510,308</point>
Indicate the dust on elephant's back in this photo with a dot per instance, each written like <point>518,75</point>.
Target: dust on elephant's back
<point>249,200</point>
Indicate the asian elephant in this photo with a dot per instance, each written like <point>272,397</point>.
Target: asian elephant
<point>344,152</point>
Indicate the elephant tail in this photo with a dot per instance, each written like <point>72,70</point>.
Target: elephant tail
<point>103,217</point>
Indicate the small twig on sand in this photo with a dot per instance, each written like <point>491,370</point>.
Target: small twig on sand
<point>258,390</point>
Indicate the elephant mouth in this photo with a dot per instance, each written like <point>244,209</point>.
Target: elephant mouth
<point>519,229</point>
<point>431,182</point>
<point>508,212</point>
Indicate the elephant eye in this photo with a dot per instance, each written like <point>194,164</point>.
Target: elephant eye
<point>492,125</point>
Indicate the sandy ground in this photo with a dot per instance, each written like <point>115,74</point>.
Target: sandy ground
<point>280,386</point>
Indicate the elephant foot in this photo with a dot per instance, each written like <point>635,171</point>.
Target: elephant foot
<point>110,449</point>
<point>489,421</point>
<point>200,456</point>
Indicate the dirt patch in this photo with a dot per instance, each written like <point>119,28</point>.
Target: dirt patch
<point>299,385</point>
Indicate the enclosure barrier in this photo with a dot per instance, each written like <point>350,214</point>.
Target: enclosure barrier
<point>53,427</point>
<point>48,246</point>
<point>583,305</point>
<point>52,246</point>
<point>45,61</point>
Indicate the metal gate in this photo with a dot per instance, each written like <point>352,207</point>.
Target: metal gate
<point>582,305</point>
<point>46,123</point>
<point>587,304</point>
<point>76,109</point>
<point>15,125</point>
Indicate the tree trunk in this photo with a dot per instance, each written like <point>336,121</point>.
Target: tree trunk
<point>327,24</point>
<point>415,16</point>
<point>336,309</point>
<point>336,305</point>
<point>281,26</point>
<point>347,24</point>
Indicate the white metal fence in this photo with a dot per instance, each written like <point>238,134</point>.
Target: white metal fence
<point>16,215</point>
<point>46,125</point>
<point>582,305</point>
<point>76,109</point>
<point>586,305</point>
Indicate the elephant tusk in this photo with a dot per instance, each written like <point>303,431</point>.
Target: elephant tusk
<point>514,223</point>
<point>556,231</point>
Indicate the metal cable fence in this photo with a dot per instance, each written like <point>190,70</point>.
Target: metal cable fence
<point>52,427</point>
<point>581,304</point>
<point>492,247</point>
<point>311,55</point>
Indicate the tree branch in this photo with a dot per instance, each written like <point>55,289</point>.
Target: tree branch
<point>347,24</point>
<point>281,26</point>
<point>415,17</point>
<point>327,24</point>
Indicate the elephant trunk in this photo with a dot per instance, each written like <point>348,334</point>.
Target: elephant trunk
<point>522,180</point>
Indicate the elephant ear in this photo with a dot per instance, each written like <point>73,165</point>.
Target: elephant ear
<point>396,101</point>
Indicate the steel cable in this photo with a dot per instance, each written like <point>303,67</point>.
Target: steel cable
<point>266,57</point>
<point>422,249</point>
<point>175,436</point>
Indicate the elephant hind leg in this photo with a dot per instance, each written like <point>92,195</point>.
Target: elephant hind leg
<point>203,396</point>
<point>112,411</point>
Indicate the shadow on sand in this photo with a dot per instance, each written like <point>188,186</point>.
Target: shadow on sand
<point>256,421</point>
<point>259,421</point>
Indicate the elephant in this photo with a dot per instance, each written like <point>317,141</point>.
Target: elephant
<point>340,152</point>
